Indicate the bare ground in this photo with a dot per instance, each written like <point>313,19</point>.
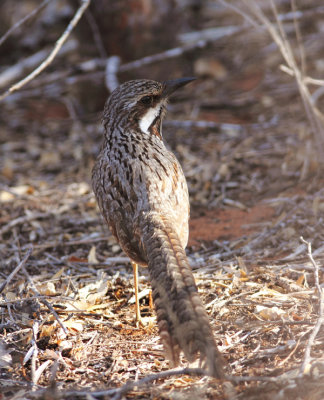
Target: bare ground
<point>256,187</point>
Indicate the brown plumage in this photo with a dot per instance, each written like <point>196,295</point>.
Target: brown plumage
<point>142,194</point>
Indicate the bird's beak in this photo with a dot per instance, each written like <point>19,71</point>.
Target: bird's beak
<point>172,85</point>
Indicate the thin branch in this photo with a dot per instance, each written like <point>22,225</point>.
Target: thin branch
<point>307,79</point>
<point>317,94</point>
<point>299,39</point>
<point>320,319</point>
<point>22,21</point>
<point>190,124</point>
<point>171,53</point>
<point>313,81</point>
<point>15,271</point>
<point>84,5</point>
<point>40,370</point>
<point>14,72</point>
<point>35,352</point>
<point>280,38</point>
<point>93,65</point>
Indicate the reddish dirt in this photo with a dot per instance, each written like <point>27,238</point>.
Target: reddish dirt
<point>227,224</point>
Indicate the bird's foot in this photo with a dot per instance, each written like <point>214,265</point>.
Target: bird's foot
<point>139,322</point>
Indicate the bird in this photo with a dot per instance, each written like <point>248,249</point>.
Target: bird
<point>143,196</point>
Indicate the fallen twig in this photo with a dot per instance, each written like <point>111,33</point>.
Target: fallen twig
<point>210,34</point>
<point>320,318</point>
<point>35,352</point>
<point>14,272</point>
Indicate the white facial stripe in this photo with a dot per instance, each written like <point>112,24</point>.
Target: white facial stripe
<point>148,118</point>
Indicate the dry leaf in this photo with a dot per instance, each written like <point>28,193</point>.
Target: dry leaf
<point>300,280</point>
<point>296,317</point>
<point>76,325</point>
<point>50,158</point>
<point>157,363</point>
<point>210,67</point>
<point>46,288</point>
<point>58,274</point>
<point>22,190</point>
<point>92,259</point>
<point>80,305</point>
<point>47,330</point>
<point>6,196</point>
<point>10,296</point>
<point>49,353</point>
<point>83,188</point>
<point>94,291</point>
<point>265,291</point>
<point>270,313</point>
<point>65,344</point>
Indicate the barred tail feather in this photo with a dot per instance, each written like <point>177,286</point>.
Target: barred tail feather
<point>182,319</point>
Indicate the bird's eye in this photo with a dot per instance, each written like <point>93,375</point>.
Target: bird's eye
<point>147,100</point>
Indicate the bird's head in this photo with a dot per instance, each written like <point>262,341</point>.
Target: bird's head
<point>140,104</point>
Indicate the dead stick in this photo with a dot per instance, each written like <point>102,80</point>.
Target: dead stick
<point>320,318</point>
<point>171,53</point>
<point>84,5</point>
<point>119,392</point>
<point>14,272</point>
<point>35,352</point>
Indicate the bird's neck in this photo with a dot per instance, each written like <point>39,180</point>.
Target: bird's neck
<point>131,132</point>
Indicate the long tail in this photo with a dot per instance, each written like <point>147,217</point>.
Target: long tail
<point>182,319</point>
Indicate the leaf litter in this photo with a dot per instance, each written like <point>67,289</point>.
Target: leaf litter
<point>254,189</point>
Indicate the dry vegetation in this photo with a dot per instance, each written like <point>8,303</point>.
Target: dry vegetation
<point>249,136</point>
